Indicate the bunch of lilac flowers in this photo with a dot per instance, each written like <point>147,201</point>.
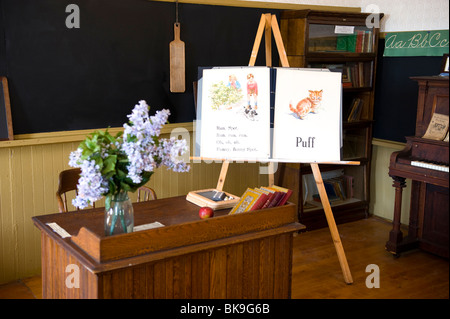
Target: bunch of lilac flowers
<point>91,184</point>
<point>113,165</point>
<point>144,151</point>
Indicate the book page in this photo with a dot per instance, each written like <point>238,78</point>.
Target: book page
<point>235,113</point>
<point>307,125</point>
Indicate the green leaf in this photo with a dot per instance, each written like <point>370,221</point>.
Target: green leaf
<point>125,187</point>
<point>86,153</point>
<point>98,159</point>
<point>110,138</point>
<point>109,164</point>
<point>112,187</point>
<point>90,144</point>
<point>83,145</point>
<point>131,138</point>
<point>121,174</point>
<point>108,168</point>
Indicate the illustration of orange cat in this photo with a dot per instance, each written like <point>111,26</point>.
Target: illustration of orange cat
<point>308,104</point>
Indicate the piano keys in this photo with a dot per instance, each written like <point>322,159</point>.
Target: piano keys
<point>426,163</point>
<point>419,150</point>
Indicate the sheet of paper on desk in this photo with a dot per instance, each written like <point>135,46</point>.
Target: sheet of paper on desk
<point>59,230</point>
<point>147,226</point>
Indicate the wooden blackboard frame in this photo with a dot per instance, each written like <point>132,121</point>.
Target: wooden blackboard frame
<point>6,128</point>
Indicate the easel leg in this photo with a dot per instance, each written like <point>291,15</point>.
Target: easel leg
<point>223,175</point>
<point>271,171</point>
<point>264,25</point>
<point>258,38</point>
<point>332,224</point>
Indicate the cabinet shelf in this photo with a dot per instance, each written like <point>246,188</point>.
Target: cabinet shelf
<point>313,206</point>
<point>357,124</point>
<point>357,90</point>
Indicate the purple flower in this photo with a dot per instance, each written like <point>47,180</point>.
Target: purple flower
<point>144,151</point>
<point>91,184</point>
<point>140,144</point>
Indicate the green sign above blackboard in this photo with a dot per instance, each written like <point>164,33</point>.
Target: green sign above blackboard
<point>417,43</point>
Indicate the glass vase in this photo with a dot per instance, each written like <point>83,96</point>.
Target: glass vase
<point>119,218</point>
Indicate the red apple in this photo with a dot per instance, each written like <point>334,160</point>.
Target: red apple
<point>205,212</point>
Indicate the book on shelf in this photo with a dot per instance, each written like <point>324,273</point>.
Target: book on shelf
<point>332,197</point>
<point>346,78</point>
<point>348,182</point>
<point>335,188</point>
<point>360,36</point>
<point>346,43</point>
<point>361,41</point>
<point>269,114</point>
<point>355,110</point>
<point>323,44</point>
<point>261,198</point>
<point>354,74</point>
<point>338,186</point>
<point>360,74</point>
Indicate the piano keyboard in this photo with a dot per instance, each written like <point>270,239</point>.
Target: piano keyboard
<point>436,167</point>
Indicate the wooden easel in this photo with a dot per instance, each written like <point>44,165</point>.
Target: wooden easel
<point>267,24</point>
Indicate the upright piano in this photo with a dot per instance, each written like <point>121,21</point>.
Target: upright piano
<point>425,162</point>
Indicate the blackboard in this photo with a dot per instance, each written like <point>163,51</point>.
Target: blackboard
<point>396,95</point>
<point>91,77</point>
<point>6,131</point>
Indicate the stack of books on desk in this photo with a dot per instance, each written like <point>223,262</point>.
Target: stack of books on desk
<point>260,198</point>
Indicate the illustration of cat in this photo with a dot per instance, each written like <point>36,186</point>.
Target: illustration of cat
<point>308,104</point>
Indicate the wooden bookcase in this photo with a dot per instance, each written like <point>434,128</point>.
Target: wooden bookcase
<point>343,43</point>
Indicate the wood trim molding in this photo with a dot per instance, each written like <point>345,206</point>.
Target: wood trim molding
<point>266,5</point>
<point>75,136</point>
<point>388,144</point>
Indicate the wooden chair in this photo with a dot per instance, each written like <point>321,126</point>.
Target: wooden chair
<point>68,180</point>
<point>145,193</point>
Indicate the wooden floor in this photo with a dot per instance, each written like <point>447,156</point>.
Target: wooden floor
<point>316,273</point>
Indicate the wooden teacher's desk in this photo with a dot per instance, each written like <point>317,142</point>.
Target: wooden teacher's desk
<point>247,255</point>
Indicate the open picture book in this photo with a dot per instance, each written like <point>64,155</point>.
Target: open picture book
<point>269,114</point>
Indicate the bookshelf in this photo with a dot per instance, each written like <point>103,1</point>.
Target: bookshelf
<point>342,43</point>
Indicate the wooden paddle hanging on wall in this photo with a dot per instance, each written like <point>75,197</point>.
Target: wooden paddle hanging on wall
<point>177,59</point>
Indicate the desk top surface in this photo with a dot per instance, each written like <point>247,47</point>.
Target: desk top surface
<point>167,211</point>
